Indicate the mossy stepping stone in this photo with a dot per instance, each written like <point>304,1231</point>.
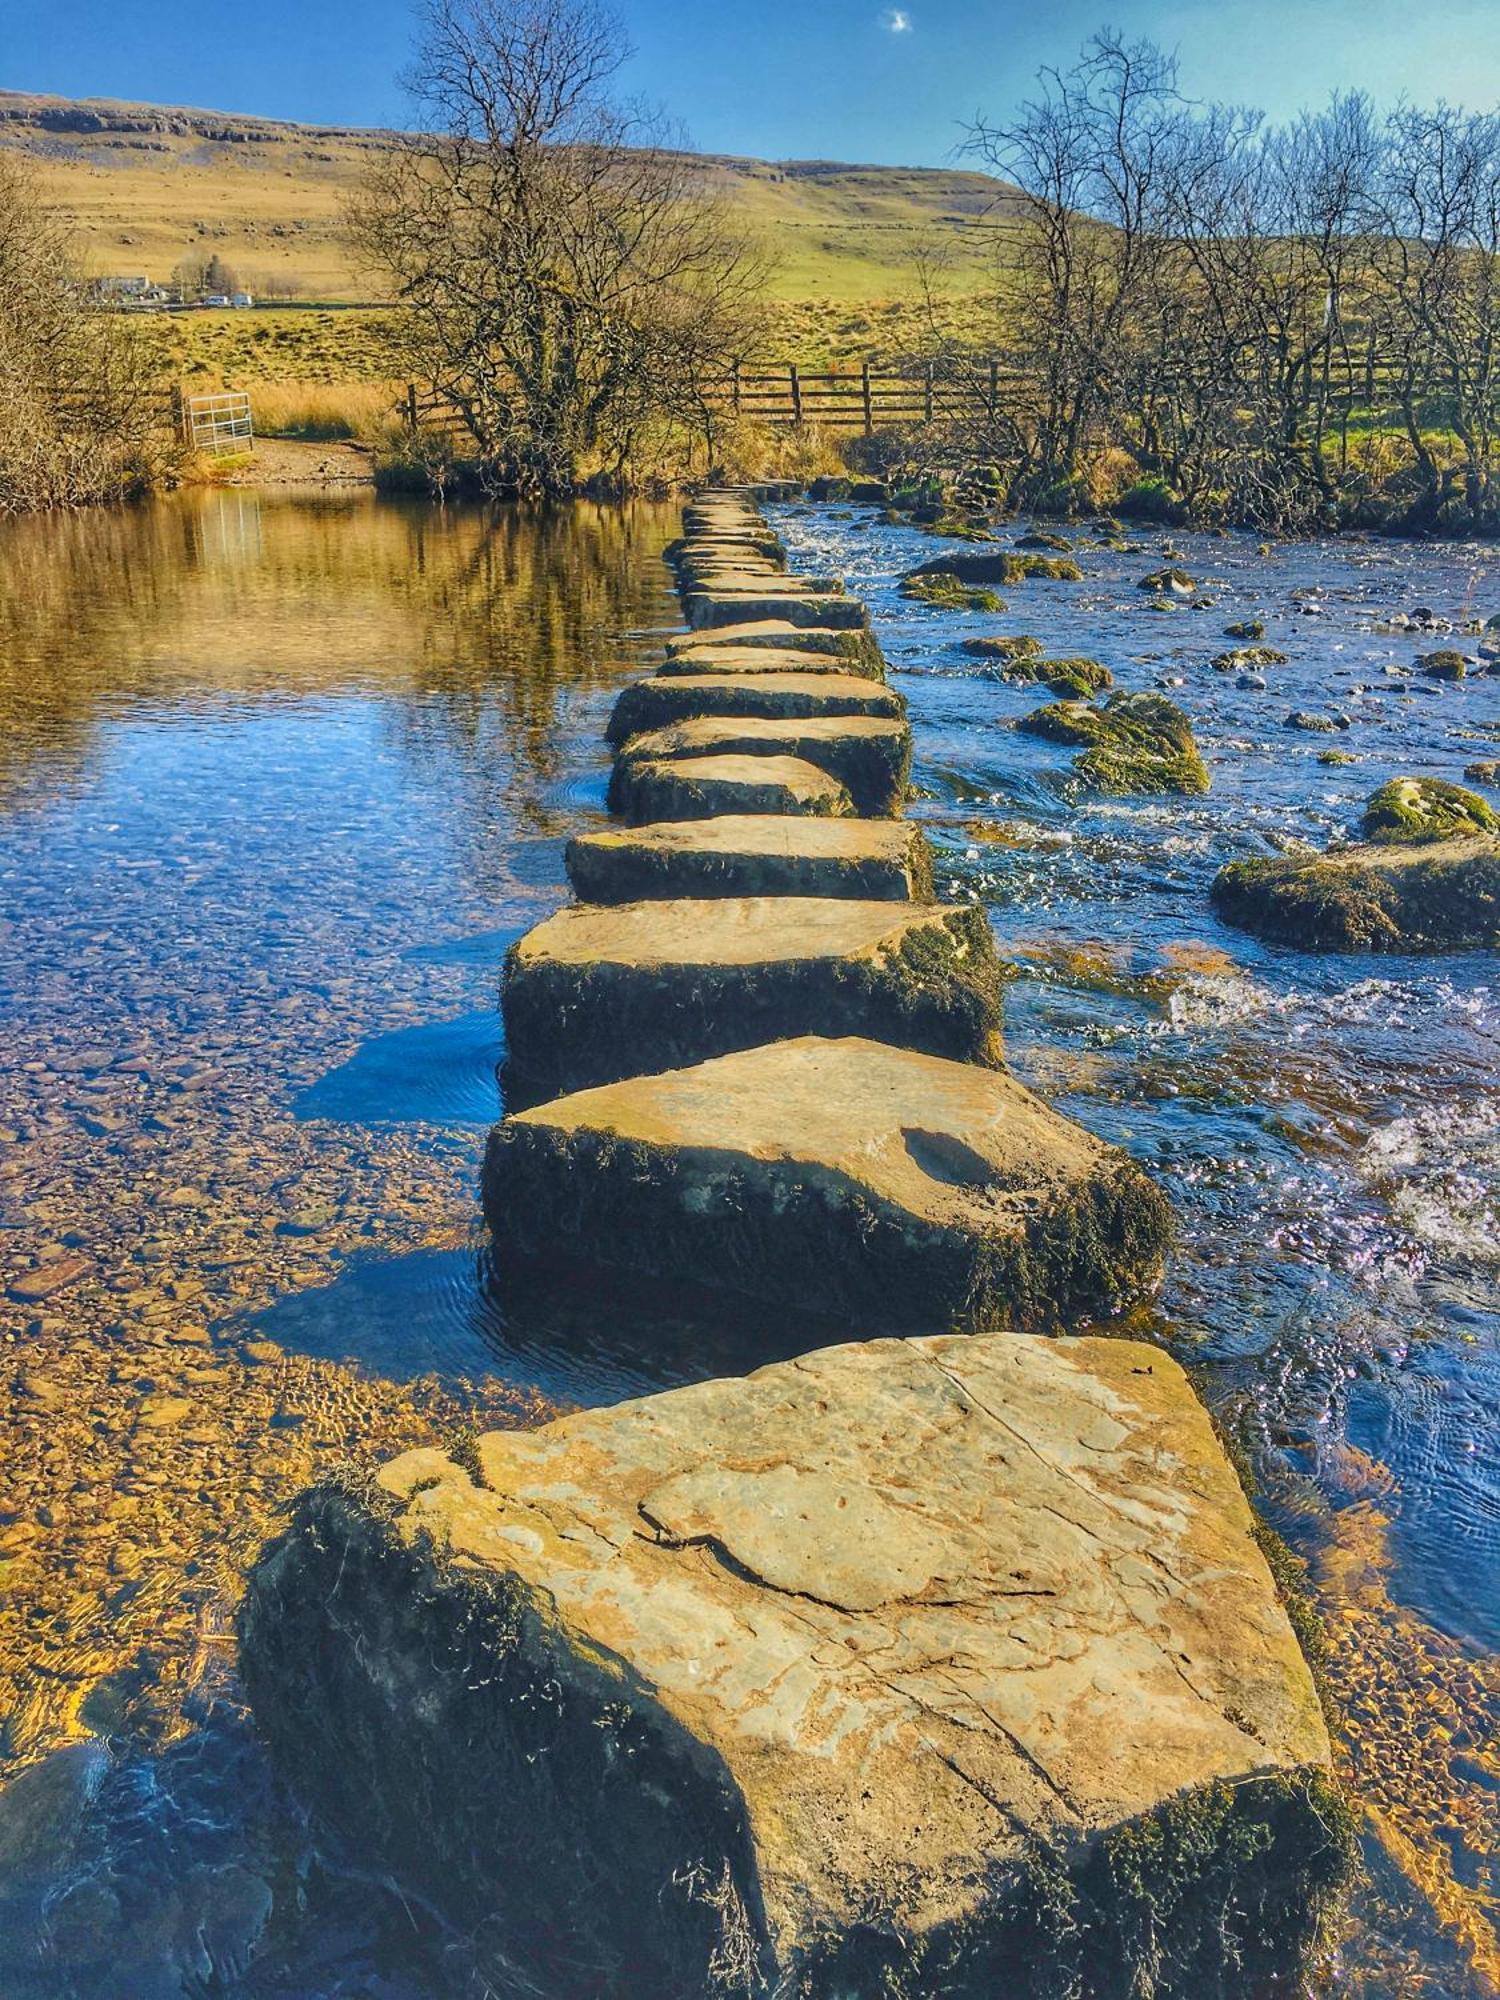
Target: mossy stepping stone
<point>672,698</point>
<point>953,1655</point>
<point>739,854</point>
<point>739,661</point>
<point>598,992</point>
<point>856,645</point>
<point>757,603</point>
<point>870,755</point>
<point>644,789</point>
<point>837,1177</point>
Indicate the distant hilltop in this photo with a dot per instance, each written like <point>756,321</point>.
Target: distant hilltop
<point>147,185</point>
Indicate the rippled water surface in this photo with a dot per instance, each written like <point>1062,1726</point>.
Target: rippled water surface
<point>281,780</point>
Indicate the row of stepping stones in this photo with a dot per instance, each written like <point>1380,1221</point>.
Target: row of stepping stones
<point>944,1663</point>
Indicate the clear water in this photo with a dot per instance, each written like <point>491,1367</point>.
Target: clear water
<point>281,780</point>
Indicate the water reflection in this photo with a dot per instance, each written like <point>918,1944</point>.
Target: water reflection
<point>280,780</point>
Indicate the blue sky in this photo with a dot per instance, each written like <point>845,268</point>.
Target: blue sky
<point>830,79</point>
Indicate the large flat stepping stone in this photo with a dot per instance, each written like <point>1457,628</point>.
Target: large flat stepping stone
<point>858,646</point>
<point>739,661</point>
<point>597,992</point>
<point>671,698</point>
<point>753,855</point>
<point>645,789</point>
<point>757,603</point>
<point>953,1655</point>
<point>869,755</point>
<point>911,1193</point>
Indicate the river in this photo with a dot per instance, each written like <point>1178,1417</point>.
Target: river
<point>281,779</point>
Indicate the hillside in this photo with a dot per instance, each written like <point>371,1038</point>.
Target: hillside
<point>144,185</point>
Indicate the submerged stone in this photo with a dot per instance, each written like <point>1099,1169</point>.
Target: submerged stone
<point>835,1176</point>
<point>644,789</point>
<point>907,1668</point>
<point>753,855</point>
<point>598,992</point>
<point>655,704</point>
<point>1400,895</point>
<point>1133,743</point>
<point>869,755</point>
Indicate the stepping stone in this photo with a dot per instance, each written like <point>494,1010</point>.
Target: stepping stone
<point>870,755</point>
<point>953,1655</point>
<point>655,704</point>
<point>648,789</point>
<point>738,661</point>
<point>835,1177</point>
<point>598,993</point>
<point>745,855</point>
<point>860,648</point>
<point>754,605</point>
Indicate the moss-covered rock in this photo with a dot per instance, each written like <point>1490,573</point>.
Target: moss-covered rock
<point>1335,758</point>
<point>1077,677</point>
<point>1020,646</point>
<point>1246,657</point>
<point>1426,809</point>
<point>1168,583</point>
<point>1444,665</point>
<point>1485,772</point>
<point>599,993</point>
<point>1134,743</point>
<point>948,593</point>
<point>1395,896</point>
<point>1246,628</point>
<point>999,566</point>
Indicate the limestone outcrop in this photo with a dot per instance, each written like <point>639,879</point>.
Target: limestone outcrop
<point>773,697</point>
<point>643,789</point>
<point>597,993</point>
<point>834,1177</point>
<point>753,855</point>
<point>869,755</point>
<point>907,1668</point>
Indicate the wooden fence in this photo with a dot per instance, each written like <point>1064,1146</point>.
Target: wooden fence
<point>862,398</point>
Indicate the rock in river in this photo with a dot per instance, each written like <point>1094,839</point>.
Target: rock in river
<point>869,755</point>
<point>742,854</point>
<point>834,1176</point>
<point>597,992</point>
<point>907,1668</point>
<point>1133,743</point>
<point>1388,895</point>
<point>857,646</point>
<point>672,698</point>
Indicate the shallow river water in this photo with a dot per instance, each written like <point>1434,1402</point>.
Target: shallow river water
<point>279,781</point>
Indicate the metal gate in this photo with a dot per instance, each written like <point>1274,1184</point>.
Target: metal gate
<point>218,423</point>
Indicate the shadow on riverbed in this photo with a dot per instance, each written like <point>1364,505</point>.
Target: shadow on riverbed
<point>573,1336</point>
<point>439,1073</point>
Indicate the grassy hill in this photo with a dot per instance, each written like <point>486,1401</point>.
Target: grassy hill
<point>144,185</point>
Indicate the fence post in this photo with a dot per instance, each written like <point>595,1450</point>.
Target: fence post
<point>796,394</point>
<point>994,384</point>
<point>929,393</point>
<point>735,387</point>
<point>411,405</point>
<point>864,383</point>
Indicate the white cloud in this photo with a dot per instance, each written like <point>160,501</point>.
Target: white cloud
<point>896,21</point>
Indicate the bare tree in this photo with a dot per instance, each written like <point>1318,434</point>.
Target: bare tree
<point>568,281</point>
<point>81,416</point>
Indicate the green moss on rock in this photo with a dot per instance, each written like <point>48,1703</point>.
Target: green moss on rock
<point>1020,646</point>
<point>948,593</point>
<point>1244,657</point>
<point>1246,628</point>
<point>1425,809</point>
<point>1398,895</point>
<point>1444,665</point>
<point>1134,743</point>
